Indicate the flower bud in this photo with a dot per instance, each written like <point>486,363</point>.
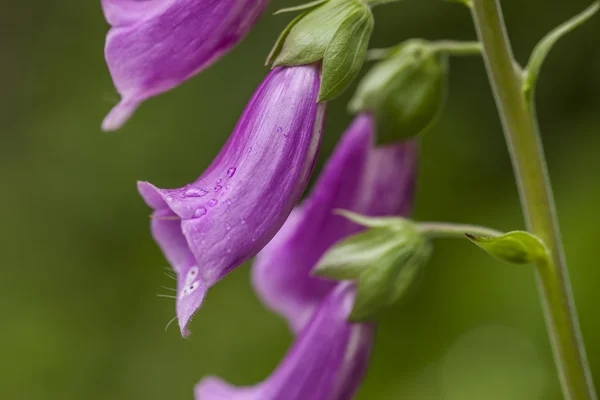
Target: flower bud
<point>405,92</point>
<point>383,261</point>
<point>336,32</point>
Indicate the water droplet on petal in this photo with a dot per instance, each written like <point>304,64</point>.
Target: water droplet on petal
<point>231,171</point>
<point>200,212</point>
<point>279,129</point>
<point>219,180</point>
<point>195,193</point>
<point>243,220</point>
<point>228,201</point>
<point>218,187</point>
<point>228,227</point>
<point>213,202</point>
<point>169,198</point>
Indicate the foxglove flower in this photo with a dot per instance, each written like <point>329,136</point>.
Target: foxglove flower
<point>326,362</point>
<point>232,211</point>
<point>154,45</point>
<point>329,356</point>
<point>368,180</point>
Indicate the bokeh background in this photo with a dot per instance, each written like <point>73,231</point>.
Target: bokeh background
<point>79,315</point>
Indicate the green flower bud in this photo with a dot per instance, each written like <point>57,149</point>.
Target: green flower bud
<point>405,92</point>
<point>384,261</point>
<point>336,32</point>
<point>517,247</point>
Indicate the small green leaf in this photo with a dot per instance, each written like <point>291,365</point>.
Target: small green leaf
<point>301,7</point>
<point>545,45</point>
<point>346,54</point>
<point>516,247</point>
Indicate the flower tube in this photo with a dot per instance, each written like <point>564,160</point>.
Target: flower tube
<point>208,228</point>
<point>329,356</point>
<point>368,180</point>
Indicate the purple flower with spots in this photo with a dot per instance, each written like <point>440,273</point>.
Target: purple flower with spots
<point>330,356</point>
<point>154,45</point>
<point>208,228</point>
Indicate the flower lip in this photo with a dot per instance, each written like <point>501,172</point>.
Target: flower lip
<point>238,204</point>
<point>153,46</point>
<point>327,360</point>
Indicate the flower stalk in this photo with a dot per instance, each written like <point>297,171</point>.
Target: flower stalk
<point>527,154</point>
<point>450,230</point>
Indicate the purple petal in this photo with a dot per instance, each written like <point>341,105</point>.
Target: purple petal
<point>247,193</point>
<point>154,45</point>
<point>358,177</point>
<point>326,362</point>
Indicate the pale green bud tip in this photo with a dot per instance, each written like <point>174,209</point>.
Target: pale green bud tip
<point>335,32</point>
<point>383,261</point>
<point>516,247</point>
<point>405,91</point>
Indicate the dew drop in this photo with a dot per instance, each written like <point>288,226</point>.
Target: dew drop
<point>279,129</point>
<point>213,202</point>
<point>195,193</point>
<point>169,198</point>
<point>218,187</point>
<point>200,212</point>
<point>231,171</point>
<point>219,180</point>
<point>228,201</point>
<point>228,227</point>
<point>243,220</point>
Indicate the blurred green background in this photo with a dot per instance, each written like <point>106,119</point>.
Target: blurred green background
<point>79,314</point>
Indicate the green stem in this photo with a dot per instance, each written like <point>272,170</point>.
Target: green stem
<point>457,48</point>
<point>448,230</point>
<point>520,128</point>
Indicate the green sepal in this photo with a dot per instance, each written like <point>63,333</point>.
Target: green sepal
<point>517,247</point>
<point>542,49</point>
<point>389,283</point>
<point>336,32</point>
<point>352,256</point>
<point>383,261</point>
<point>307,41</point>
<point>281,39</point>
<point>345,54</point>
<point>405,92</point>
<point>301,7</point>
